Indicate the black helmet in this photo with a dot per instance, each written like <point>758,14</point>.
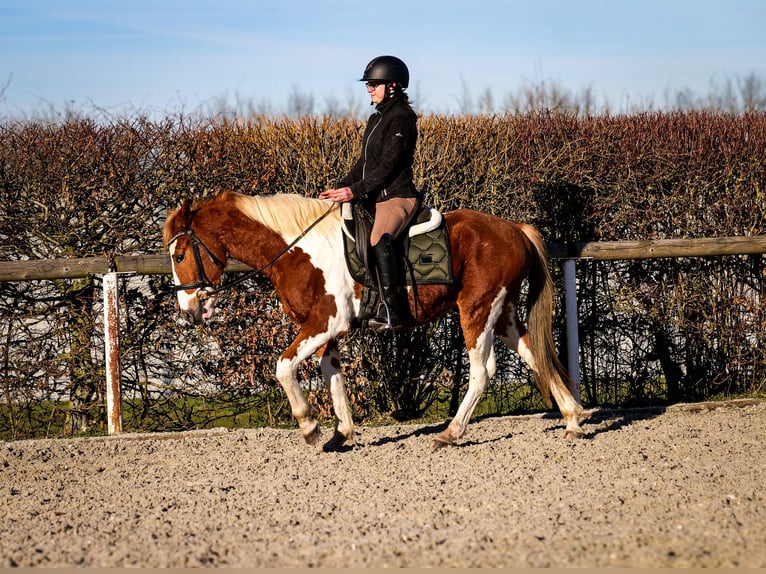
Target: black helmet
<point>387,69</point>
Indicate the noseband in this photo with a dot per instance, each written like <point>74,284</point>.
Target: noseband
<point>203,282</point>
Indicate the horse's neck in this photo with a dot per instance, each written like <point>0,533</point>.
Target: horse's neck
<point>252,243</point>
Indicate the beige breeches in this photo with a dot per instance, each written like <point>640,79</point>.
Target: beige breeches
<point>392,216</point>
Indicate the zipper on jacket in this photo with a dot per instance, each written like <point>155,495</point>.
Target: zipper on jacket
<point>369,136</point>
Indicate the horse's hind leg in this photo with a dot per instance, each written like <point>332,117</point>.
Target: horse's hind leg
<point>481,368</point>
<point>516,338</point>
<point>491,363</point>
<point>335,383</point>
<point>477,382</point>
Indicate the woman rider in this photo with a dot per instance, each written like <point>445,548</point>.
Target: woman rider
<point>382,179</point>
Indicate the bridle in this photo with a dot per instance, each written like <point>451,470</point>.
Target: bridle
<point>205,286</point>
<point>203,283</point>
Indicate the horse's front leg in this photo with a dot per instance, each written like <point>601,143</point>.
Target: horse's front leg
<point>335,383</point>
<point>286,373</point>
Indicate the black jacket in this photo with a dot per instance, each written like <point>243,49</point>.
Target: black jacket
<point>384,169</point>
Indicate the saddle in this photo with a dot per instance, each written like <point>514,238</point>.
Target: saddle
<point>424,246</point>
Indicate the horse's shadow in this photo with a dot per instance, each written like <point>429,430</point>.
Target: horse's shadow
<point>609,420</point>
<point>596,422</point>
<point>427,430</point>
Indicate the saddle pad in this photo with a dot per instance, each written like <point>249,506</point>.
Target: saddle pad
<point>428,255</point>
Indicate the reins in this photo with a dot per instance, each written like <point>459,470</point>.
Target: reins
<point>205,285</point>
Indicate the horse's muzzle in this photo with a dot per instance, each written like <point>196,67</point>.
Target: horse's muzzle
<point>198,309</point>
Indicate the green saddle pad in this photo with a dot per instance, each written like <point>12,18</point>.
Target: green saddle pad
<point>428,257</point>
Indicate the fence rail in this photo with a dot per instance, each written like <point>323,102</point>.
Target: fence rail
<point>159,263</point>
<point>154,264</point>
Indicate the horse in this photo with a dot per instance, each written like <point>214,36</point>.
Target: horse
<point>296,243</point>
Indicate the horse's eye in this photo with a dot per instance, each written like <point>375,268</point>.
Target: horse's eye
<point>179,258</point>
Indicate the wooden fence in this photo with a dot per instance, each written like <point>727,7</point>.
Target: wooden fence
<point>157,264</point>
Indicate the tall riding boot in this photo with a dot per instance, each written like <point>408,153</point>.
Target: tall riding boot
<point>387,266</point>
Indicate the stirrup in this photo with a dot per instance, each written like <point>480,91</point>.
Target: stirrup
<point>385,321</point>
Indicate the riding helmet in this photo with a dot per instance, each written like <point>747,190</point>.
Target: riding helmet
<point>387,69</point>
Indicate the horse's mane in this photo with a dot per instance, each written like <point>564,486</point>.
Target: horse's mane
<point>287,214</point>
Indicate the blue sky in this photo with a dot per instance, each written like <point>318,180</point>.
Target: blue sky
<point>164,55</point>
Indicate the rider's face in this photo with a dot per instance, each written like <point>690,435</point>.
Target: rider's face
<point>377,91</point>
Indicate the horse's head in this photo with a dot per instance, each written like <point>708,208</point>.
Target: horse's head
<point>198,260</point>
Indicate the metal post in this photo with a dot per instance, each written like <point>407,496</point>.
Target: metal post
<point>112,353</point>
<point>573,339</point>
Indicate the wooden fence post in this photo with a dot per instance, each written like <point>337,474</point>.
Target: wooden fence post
<point>112,353</point>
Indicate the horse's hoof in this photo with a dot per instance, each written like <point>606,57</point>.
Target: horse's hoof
<point>574,434</point>
<point>337,444</point>
<point>313,437</point>
<point>439,443</point>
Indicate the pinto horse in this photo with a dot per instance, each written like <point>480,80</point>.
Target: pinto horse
<point>297,243</point>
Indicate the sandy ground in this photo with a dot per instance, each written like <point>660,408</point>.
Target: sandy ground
<point>674,488</point>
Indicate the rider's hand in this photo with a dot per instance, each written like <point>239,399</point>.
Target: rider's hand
<point>337,195</point>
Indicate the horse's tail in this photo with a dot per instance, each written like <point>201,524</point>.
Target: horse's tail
<point>540,307</point>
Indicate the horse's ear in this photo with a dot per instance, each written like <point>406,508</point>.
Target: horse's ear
<point>185,212</point>
<point>182,212</point>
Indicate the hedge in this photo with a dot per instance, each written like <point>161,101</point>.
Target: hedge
<point>653,331</point>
